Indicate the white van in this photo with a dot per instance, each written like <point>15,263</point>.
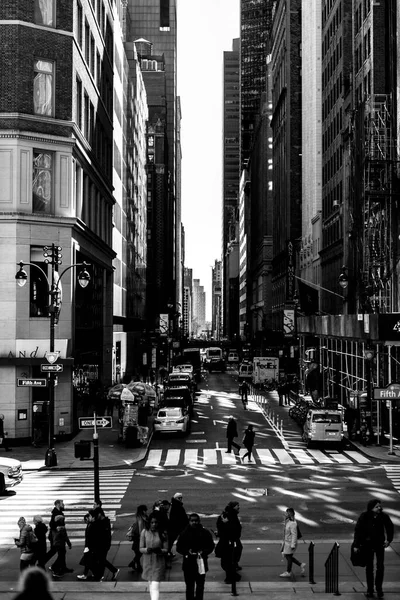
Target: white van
<point>323,426</point>
<point>245,372</point>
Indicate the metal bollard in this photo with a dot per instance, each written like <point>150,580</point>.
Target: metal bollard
<point>311,562</point>
<point>332,571</point>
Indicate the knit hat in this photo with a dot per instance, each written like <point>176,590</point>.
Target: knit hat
<point>178,495</point>
<point>372,503</point>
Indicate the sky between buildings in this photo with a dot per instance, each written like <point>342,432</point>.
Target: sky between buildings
<point>205,30</point>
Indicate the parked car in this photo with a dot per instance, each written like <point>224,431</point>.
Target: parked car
<point>10,473</point>
<point>323,426</point>
<point>172,419</point>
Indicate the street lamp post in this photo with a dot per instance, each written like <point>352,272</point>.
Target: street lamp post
<point>53,256</point>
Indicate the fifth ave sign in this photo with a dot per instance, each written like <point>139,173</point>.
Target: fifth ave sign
<point>390,392</point>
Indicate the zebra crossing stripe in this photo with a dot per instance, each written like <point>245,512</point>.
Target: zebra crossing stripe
<point>302,457</point>
<point>210,456</point>
<point>360,458</point>
<point>283,456</point>
<point>320,457</point>
<point>265,456</point>
<point>340,458</point>
<point>190,457</point>
<point>154,458</point>
<point>172,459</point>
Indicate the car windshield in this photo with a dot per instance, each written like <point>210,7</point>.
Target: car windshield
<point>326,418</point>
<point>171,412</point>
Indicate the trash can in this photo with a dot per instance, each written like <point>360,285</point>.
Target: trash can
<point>82,449</point>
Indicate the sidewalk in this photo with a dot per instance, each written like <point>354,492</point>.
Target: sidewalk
<point>261,564</point>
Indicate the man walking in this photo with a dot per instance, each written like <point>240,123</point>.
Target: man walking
<point>231,433</point>
<point>373,533</point>
<point>57,511</point>
<point>195,544</point>
<point>178,519</point>
<point>244,389</point>
<point>103,525</point>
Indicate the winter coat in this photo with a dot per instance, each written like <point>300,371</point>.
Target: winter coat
<point>153,563</point>
<point>60,537</point>
<point>138,526</point>
<point>178,519</point>
<point>248,438</point>
<point>197,539</point>
<point>24,540</point>
<point>373,530</point>
<point>289,543</point>
<point>40,532</point>
<point>231,429</point>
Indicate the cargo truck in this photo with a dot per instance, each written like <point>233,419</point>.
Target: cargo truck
<point>265,368</point>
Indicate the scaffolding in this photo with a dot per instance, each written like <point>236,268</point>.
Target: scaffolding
<point>379,163</point>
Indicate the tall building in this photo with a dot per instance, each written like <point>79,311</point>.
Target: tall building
<point>56,148</point>
<point>230,174</point>
<point>187,302</point>
<point>285,66</point>
<point>255,22</point>
<point>216,300</point>
<point>130,193</point>
<point>199,308</point>
<point>154,22</point>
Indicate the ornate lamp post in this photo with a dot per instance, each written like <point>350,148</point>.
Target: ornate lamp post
<point>53,256</point>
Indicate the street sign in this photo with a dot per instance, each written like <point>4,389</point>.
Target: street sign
<point>52,368</point>
<point>31,382</point>
<point>390,392</point>
<point>88,422</point>
<point>52,357</point>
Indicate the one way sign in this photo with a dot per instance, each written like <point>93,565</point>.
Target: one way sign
<point>88,422</point>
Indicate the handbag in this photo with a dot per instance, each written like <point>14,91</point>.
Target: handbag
<point>129,534</point>
<point>357,556</point>
<point>200,565</point>
<point>26,556</point>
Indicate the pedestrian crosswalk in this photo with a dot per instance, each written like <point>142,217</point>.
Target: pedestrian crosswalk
<point>261,456</point>
<point>393,473</point>
<point>38,491</point>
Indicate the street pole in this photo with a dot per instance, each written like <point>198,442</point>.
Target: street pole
<point>51,456</point>
<point>96,470</point>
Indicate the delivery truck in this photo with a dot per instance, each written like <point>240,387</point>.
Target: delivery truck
<point>265,368</point>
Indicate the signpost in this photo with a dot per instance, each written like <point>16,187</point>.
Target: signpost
<point>31,382</point>
<point>388,394</point>
<point>46,368</point>
<point>93,422</point>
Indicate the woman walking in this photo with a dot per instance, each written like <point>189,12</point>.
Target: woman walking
<point>289,544</point>
<point>154,547</point>
<point>248,441</point>
<point>140,523</point>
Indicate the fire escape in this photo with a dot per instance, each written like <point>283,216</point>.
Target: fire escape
<point>378,218</point>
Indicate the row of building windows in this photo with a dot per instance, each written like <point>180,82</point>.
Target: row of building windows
<point>363,51</point>
<point>332,165</point>
<point>332,131</point>
<point>361,12</point>
<point>331,233</point>
<point>332,199</point>
<point>333,62</point>
<point>333,25</point>
<point>44,12</point>
<point>332,97</point>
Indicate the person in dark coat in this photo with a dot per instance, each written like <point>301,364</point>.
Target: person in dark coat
<point>40,531</point>
<point>57,511</point>
<point>231,433</point>
<point>248,441</point>
<point>373,533</point>
<point>225,548</point>
<point>3,436</point>
<point>234,531</point>
<point>195,543</point>
<point>25,544</point>
<point>160,512</point>
<point>244,389</point>
<point>178,519</point>
<point>34,583</point>
<point>60,542</point>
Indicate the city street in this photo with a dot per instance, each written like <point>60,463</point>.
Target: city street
<point>328,490</point>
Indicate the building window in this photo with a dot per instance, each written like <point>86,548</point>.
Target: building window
<point>42,184</point>
<point>79,103</point>
<point>43,88</point>
<point>44,12</point>
<point>80,24</point>
<point>164,15</point>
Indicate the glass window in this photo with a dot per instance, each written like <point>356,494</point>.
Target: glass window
<point>42,185</point>
<point>44,12</point>
<point>43,87</point>
<point>39,289</point>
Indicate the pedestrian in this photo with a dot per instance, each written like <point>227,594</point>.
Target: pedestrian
<point>140,523</point>
<point>59,547</point>
<point>40,531</point>
<point>104,544</point>
<point>3,435</point>
<point>235,531</point>
<point>58,509</point>
<point>243,393</point>
<point>225,548</point>
<point>33,583</point>
<point>154,547</point>
<point>178,519</point>
<point>248,441</point>
<point>289,544</point>
<point>373,533</point>
<point>88,560</point>
<point>231,434</point>
<point>160,511</point>
<point>26,544</point>
<point>195,543</point>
